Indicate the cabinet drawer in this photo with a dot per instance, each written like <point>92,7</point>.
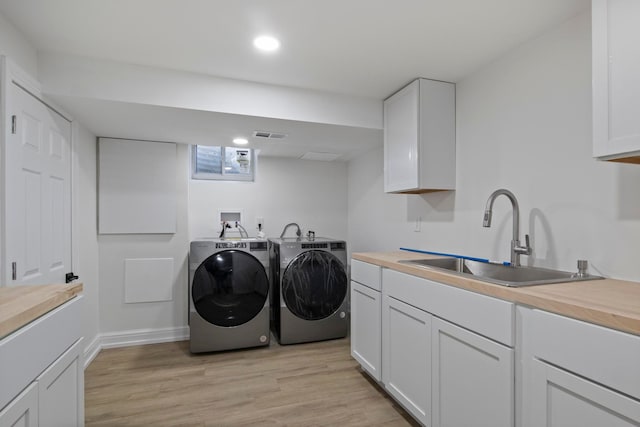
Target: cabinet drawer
<point>366,274</point>
<point>606,356</point>
<point>487,316</point>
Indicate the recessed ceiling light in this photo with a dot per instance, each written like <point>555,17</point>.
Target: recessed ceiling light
<point>266,43</point>
<point>240,141</point>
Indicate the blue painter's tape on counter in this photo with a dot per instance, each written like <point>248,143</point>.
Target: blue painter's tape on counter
<point>445,254</point>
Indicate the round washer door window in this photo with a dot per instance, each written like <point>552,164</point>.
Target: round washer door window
<point>314,285</point>
<point>229,288</point>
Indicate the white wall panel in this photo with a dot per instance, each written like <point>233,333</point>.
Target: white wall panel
<point>136,187</point>
<point>148,280</point>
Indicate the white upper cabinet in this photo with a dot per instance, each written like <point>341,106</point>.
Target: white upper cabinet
<point>420,138</point>
<point>616,86</point>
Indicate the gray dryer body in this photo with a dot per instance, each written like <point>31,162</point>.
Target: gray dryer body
<point>309,289</point>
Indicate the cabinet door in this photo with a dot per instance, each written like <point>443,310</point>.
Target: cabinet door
<point>366,325</point>
<point>401,139</point>
<point>23,410</point>
<point>472,379</point>
<point>561,399</point>
<point>406,358</point>
<point>616,87</point>
<point>61,390</point>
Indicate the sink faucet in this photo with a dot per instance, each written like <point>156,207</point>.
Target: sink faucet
<point>516,249</point>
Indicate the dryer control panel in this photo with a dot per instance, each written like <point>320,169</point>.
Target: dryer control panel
<point>231,245</point>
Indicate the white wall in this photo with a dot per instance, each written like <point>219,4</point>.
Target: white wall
<point>85,247</point>
<point>14,45</point>
<point>523,123</point>
<point>74,76</point>
<point>312,194</point>
<point>121,323</point>
<point>85,240</point>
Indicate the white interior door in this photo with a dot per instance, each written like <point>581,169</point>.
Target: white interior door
<point>37,191</point>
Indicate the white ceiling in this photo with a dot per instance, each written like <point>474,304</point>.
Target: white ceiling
<point>364,48</point>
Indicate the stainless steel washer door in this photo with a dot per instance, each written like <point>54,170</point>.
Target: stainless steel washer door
<point>314,285</point>
<point>229,288</point>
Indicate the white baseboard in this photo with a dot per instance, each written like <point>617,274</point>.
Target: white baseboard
<point>92,351</point>
<point>143,336</point>
<point>133,337</point>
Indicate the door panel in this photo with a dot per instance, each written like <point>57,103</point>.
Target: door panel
<point>37,192</point>
<point>406,357</point>
<point>314,285</point>
<point>562,399</point>
<point>470,372</point>
<point>230,288</point>
<point>23,410</point>
<point>366,324</point>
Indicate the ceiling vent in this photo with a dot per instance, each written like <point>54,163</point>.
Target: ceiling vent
<point>325,157</point>
<point>269,135</point>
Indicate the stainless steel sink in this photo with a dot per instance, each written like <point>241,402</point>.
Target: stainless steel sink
<point>500,274</point>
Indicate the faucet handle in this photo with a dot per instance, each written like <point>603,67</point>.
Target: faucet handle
<point>522,250</point>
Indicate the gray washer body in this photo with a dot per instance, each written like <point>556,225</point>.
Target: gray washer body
<point>205,336</point>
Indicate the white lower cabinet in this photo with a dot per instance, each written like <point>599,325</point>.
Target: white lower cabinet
<point>454,358</point>
<point>406,369</point>
<point>54,399</point>
<point>366,317</point>
<point>562,399</point>
<point>42,371</point>
<point>472,379</point>
<point>365,328</point>
<point>442,373</point>
<point>23,410</point>
<point>61,390</point>
<point>576,374</point>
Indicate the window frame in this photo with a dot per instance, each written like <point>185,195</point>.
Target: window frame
<point>223,176</point>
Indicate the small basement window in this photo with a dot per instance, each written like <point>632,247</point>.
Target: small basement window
<point>222,163</point>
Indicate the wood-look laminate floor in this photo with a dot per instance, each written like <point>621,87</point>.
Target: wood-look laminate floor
<point>313,384</point>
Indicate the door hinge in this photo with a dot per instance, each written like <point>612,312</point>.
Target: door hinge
<point>69,277</point>
<point>14,121</point>
<point>14,271</point>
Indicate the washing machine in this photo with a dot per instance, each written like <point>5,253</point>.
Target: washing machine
<point>228,294</point>
<point>309,289</point>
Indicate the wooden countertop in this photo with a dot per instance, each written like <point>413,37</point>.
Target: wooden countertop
<point>20,305</point>
<point>608,302</point>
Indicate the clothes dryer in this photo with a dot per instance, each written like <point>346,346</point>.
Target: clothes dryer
<point>228,294</point>
<point>309,289</point>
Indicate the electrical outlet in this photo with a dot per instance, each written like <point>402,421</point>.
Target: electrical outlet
<point>418,224</point>
<point>259,222</point>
